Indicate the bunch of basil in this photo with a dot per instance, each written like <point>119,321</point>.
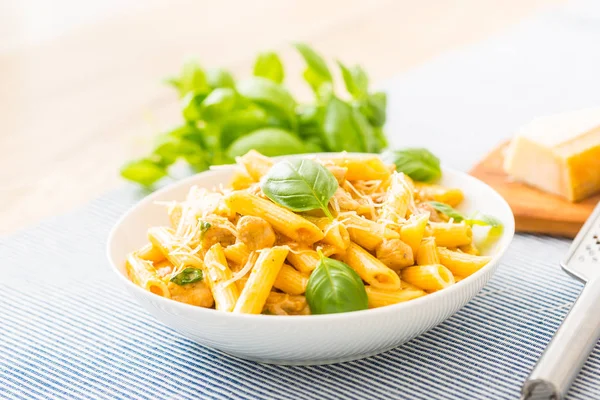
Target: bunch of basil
<point>224,119</point>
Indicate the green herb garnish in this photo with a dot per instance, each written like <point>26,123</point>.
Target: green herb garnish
<point>187,275</point>
<point>419,164</point>
<point>223,119</point>
<point>334,287</point>
<point>300,185</point>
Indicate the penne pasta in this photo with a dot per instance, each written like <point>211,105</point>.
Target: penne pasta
<point>449,234</point>
<point>261,280</point>
<point>426,192</point>
<point>255,164</point>
<point>427,253</point>
<point>218,276</point>
<point>304,261</point>
<point>380,297</point>
<point>370,269</point>
<point>335,233</point>
<point>244,250</point>
<point>241,180</point>
<point>290,281</point>
<point>428,277</point>
<point>237,253</point>
<point>288,223</point>
<point>461,264</point>
<point>362,168</point>
<point>151,253</point>
<point>398,198</point>
<point>142,273</point>
<point>366,233</point>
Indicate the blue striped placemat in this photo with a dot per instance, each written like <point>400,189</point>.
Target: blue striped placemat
<point>69,330</point>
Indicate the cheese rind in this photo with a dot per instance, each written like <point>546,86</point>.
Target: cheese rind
<point>559,154</point>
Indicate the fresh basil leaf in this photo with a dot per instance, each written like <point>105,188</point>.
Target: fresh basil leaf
<point>365,131</point>
<point>339,129</point>
<point>495,231</point>
<point>204,227</point>
<point>420,164</point>
<point>300,185</point>
<point>448,210</point>
<point>191,104</point>
<point>218,104</point>
<point>380,136</point>
<point>317,73</point>
<point>271,96</point>
<point>192,79</point>
<point>268,65</point>
<point>187,275</point>
<point>219,78</point>
<point>270,142</point>
<point>355,79</point>
<point>145,172</point>
<point>374,108</point>
<point>334,287</point>
<point>242,122</point>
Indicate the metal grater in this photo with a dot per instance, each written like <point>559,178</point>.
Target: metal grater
<point>580,331</point>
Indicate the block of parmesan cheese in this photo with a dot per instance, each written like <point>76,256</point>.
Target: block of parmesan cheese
<point>559,154</point>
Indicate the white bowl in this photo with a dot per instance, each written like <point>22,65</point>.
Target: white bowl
<point>306,340</point>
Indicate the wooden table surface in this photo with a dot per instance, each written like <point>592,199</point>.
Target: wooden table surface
<point>80,88</point>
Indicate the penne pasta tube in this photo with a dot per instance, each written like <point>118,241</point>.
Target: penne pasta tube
<point>255,164</point>
<point>362,168</point>
<point>366,233</point>
<point>304,261</point>
<point>427,253</point>
<point>397,199</point>
<point>241,180</point>
<point>461,264</point>
<point>164,240</point>
<point>151,253</point>
<point>380,297</point>
<point>282,220</point>
<point>237,253</point>
<point>261,280</point>
<point>370,269</point>
<point>142,273</point>
<point>412,232</point>
<point>470,249</point>
<point>290,281</point>
<point>335,233</point>
<point>449,234</point>
<point>218,276</point>
<point>428,277</point>
<point>450,196</point>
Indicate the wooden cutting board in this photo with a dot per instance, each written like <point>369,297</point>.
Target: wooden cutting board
<point>534,210</point>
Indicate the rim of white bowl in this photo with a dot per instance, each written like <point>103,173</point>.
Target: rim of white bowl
<point>508,232</point>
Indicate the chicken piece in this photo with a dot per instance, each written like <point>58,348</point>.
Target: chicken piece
<point>216,229</point>
<point>395,254</point>
<point>285,304</point>
<point>255,232</point>
<point>196,294</point>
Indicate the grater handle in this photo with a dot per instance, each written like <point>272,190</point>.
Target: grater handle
<point>568,349</point>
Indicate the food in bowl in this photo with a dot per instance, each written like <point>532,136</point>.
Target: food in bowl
<point>310,236</point>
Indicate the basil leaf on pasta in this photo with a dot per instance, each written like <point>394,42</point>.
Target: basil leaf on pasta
<point>300,185</point>
<point>420,164</point>
<point>334,287</point>
<point>447,210</point>
<point>187,275</point>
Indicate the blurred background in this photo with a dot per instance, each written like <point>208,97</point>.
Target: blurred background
<point>80,81</point>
